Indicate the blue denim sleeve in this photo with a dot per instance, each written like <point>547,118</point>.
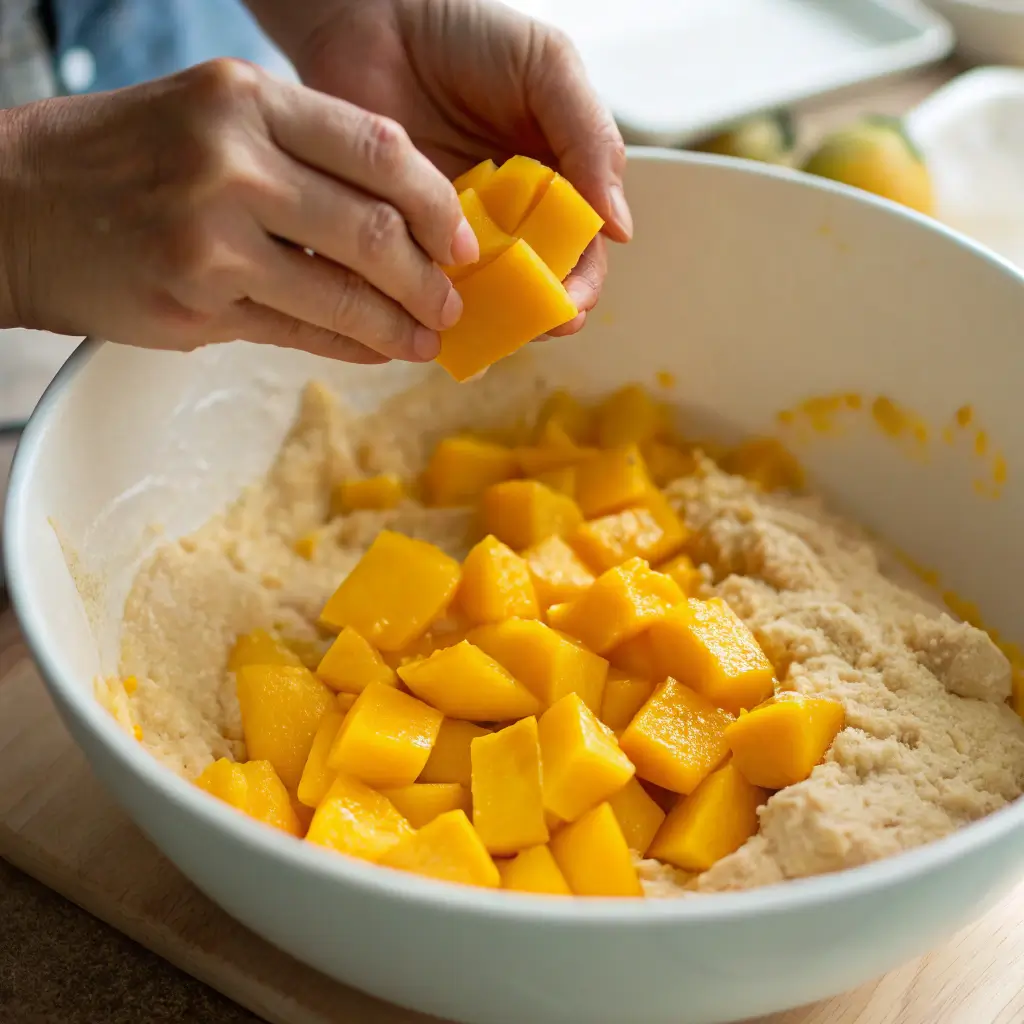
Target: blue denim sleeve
<point>106,44</point>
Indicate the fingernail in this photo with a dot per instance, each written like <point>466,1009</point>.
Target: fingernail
<point>465,247</point>
<point>451,310</point>
<point>620,208</point>
<point>425,343</point>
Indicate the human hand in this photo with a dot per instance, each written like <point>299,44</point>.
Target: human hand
<point>469,79</point>
<point>175,214</point>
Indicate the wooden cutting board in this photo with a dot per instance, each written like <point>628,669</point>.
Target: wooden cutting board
<point>59,826</point>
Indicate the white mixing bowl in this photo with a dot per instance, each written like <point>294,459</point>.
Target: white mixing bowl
<point>756,288</point>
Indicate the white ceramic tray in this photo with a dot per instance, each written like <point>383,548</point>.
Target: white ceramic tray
<point>672,70</point>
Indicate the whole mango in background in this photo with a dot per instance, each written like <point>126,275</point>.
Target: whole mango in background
<point>877,155</point>
<point>769,138</point>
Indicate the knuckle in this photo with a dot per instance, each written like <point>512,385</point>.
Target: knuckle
<point>349,300</point>
<point>224,81</point>
<point>381,231</point>
<point>385,145</point>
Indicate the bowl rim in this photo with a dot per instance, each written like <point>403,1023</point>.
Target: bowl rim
<point>326,867</point>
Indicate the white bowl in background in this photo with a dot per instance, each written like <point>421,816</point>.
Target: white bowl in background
<point>757,287</point>
<point>987,31</point>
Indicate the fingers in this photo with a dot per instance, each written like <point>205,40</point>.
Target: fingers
<point>376,155</point>
<point>316,291</point>
<point>579,129</point>
<point>584,285</point>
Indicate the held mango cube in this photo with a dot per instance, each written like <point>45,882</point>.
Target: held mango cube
<point>557,572</point>
<point>316,776</point>
<point>560,226</point>
<point>449,759</point>
<point>534,870</point>
<point>386,738</point>
<point>624,696</point>
<point>523,513</point>
<point>462,468</point>
<point>548,663</point>
<point>583,764</point>
<point>594,857</point>
<point>463,682</point>
<point>677,738</point>
<point>508,804</point>
<point>448,849</point>
<point>253,788</point>
<point>638,815</point>
<point>261,648</point>
<point>375,492</point>
<point>475,176</point>
<point>422,802</point>
<point>496,584</point>
<point>351,663</point>
<point>706,645</point>
<point>513,190</point>
<point>611,481</point>
<point>491,239</point>
<point>281,709</point>
<point>509,302</point>
<point>395,591</point>
<point>358,821</point>
<point>779,743</point>
<point>716,819</point>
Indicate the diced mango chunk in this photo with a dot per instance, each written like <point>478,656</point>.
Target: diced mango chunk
<point>523,513</point>
<point>306,546</point>
<point>491,239</point>
<point>677,738</point>
<point>560,226</point>
<point>652,532</point>
<point>708,646</point>
<point>550,664</point>
<point>509,302</point>
<point>635,657</point>
<point>624,696</point>
<point>253,788</point>
<point>496,584</point>
<point>386,738</point>
<point>594,857</point>
<point>534,870</point>
<point>358,821</point>
<point>623,602</point>
<point>513,190</point>
<point>316,776</point>
<point>508,804</point>
<point>629,416</point>
<point>475,176</point>
<point>225,780</point>
<point>449,759</point>
<point>766,462</point>
<point>563,409</point>
<point>554,449</point>
<point>422,802</point>
<point>667,462</point>
<point>611,481</point>
<point>261,648</point>
<point>351,663</point>
<point>562,480</point>
<point>779,743</point>
<point>685,573</point>
<point>583,765</point>
<point>716,819</point>
<point>463,682</point>
<point>638,815</point>
<point>448,849</point>
<point>345,701</point>
<point>396,590</point>
<point>281,709</point>
<point>374,492</point>
<point>557,572</point>
<point>462,468</point>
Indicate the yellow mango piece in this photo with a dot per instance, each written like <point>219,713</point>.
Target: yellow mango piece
<point>386,738</point>
<point>652,533</point>
<point>562,480</point>
<point>375,492</point>
<point>444,633</point>
<point>564,411</point>
<point>422,802</point>
<point>630,416</point>
<point>534,870</point>
<point>677,738</point>
<point>550,664</point>
<point>638,815</point>
<point>225,780</point>
<point>462,468</point>
<point>635,657</point>
<point>505,305</point>
<point>624,696</point>
<point>621,603</point>
<point>358,821</point>
<point>560,226</point>
<point>558,573</point>
<point>351,662</point>
<point>345,701</point>
<point>508,803</point>
<point>396,590</point>
<point>766,462</point>
<point>558,453</point>
<point>583,765</point>
<point>448,849</point>
<point>594,857</point>
<point>449,758</point>
<point>667,462</point>
<point>716,819</point>
<point>709,647</point>
<point>475,176</point>
<point>306,546</point>
<point>304,816</point>
<point>491,239</point>
<point>496,584</point>
<point>316,776</point>
<point>464,682</point>
<point>779,743</point>
<point>281,709</point>
<point>611,481</point>
<point>513,190</point>
<point>684,572</point>
<point>522,513</point>
<point>261,648</point>
<point>254,788</point>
